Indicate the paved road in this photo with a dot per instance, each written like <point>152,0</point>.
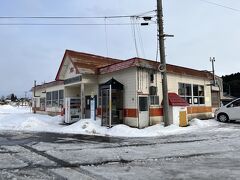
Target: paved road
<point>209,153</point>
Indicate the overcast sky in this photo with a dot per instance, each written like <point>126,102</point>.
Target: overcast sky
<point>31,53</point>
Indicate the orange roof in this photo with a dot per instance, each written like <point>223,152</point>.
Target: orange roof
<point>95,64</point>
<point>176,100</point>
<point>48,84</point>
<point>87,61</point>
<point>139,62</point>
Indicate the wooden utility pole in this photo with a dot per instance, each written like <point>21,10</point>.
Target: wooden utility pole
<point>162,67</point>
<point>34,97</point>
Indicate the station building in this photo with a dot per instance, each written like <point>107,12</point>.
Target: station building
<point>126,91</point>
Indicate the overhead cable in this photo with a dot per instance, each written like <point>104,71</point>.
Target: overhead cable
<point>75,17</point>
<point>221,5</point>
<point>67,24</point>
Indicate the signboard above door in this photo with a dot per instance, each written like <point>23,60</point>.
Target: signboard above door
<point>73,80</point>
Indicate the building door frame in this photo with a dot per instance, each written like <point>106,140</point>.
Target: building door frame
<point>143,111</point>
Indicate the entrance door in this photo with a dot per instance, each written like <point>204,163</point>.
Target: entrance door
<point>88,100</point>
<point>87,106</point>
<point>143,111</point>
<point>105,107</point>
<point>42,104</point>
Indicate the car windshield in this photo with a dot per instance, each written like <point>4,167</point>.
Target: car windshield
<point>235,103</point>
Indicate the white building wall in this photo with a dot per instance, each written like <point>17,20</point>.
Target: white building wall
<point>143,81</point>
<point>50,89</point>
<point>72,91</point>
<point>38,94</point>
<point>41,93</point>
<point>90,89</point>
<point>70,71</point>
<point>55,88</point>
<point>174,79</point>
<point>127,77</point>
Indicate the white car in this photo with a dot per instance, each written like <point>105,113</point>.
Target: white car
<point>230,111</point>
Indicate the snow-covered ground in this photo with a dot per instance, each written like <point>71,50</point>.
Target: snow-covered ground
<point>21,119</point>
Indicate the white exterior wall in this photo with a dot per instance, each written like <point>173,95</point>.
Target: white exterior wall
<point>174,79</point>
<point>90,89</point>
<point>144,82</point>
<point>37,99</point>
<point>127,77</point>
<point>72,91</point>
<point>174,114</point>
<point>50,89</point>
<point>143,79</point>
<point>70,71</point>
<point>41,93</point>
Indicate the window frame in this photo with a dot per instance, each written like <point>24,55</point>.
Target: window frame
<point>187,97</point>
<point>49,99</point>
<point>195,98</point>
<point>53,98</point>
<point>61,99</point>
<point>154,100</point>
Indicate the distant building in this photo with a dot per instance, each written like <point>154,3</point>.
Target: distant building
<point>134,86</point>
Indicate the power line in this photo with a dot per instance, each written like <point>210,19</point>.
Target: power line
<point>69,24</point>
<point>76,17</point>
<point>220,5</point>
<point>64,17</point>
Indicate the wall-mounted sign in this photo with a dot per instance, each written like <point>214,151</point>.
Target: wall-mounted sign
<point>73,80</point>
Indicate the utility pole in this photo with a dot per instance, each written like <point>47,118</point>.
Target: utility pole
<point>34,95</point>
<point>215,83</point>
<point>162,67</point>
<point>212,59</point>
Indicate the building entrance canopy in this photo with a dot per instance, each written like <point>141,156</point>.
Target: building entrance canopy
<point>111,95</point>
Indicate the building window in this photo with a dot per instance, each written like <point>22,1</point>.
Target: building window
<point>55,98</point>
<point>185,91</point>
<point>49,99</point>
<point>193,94</point>
<point>42,104</point>
<point>198,94</point>
<point>151,77</point>
<point>61,97</point>
<point>154,98</point>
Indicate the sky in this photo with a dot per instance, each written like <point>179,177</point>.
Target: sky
<point>201,30</point>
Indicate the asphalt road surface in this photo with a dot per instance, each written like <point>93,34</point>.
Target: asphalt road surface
<point>209,153</point>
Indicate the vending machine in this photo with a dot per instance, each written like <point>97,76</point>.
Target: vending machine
<point>72,110</point>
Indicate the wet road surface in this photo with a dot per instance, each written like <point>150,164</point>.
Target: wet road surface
<point>209,153</point>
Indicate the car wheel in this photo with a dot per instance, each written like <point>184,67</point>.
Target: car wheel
<point>223,117</point>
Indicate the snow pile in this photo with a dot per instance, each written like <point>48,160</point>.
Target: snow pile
<point>7,109</point>
<point>156,130</point>
<point>20,118</point>
<point>203,123</point>
<point>85,126</point>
